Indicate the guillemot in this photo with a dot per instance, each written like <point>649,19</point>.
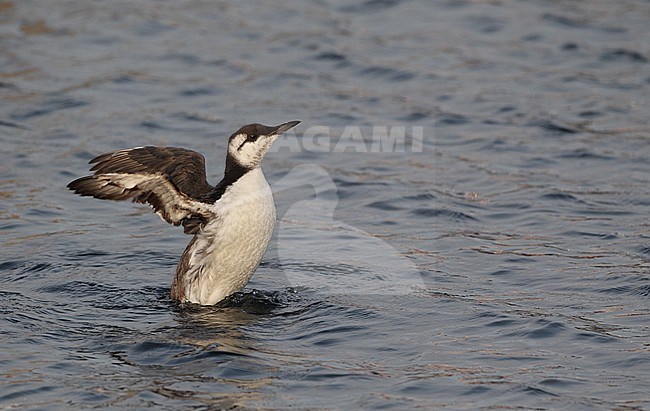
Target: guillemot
<point>231,223</point>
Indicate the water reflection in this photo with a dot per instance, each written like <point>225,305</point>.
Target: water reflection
<point>201,355</point>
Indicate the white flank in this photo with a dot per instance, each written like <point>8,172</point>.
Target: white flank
<point>229,249</point>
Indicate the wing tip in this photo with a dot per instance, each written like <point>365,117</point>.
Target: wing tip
<point>91,186</point>
<point>79,184</point>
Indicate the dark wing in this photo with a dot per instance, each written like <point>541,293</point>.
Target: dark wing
<point>170,179</point>
<point>185,169</point>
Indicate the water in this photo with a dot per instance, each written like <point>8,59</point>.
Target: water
<point>504,266</point>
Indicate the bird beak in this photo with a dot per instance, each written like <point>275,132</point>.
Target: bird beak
<point>283,128</point>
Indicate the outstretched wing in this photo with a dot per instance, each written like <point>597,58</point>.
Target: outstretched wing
<point>172,180</point>
<point>185,169</point>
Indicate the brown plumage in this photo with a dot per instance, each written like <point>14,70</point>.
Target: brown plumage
<point>170,179</point>
<point>184,168</point>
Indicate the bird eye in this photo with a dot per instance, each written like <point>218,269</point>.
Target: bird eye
<point>252,137</point>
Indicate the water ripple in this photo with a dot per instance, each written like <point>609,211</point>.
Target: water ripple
<point>523,218</point>
<point>49,106</point>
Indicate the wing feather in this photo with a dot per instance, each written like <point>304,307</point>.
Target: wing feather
<point>169,179</point>
<point>184,168</point>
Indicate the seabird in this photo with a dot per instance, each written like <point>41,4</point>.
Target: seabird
<point>231,222</point>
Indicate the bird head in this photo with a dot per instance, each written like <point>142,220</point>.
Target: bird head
<point>248,145</point>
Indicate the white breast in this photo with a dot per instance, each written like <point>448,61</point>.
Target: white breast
<point>229,249</point>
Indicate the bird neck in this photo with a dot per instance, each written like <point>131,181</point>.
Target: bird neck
<point>233,172</point>
<point>234,167</point>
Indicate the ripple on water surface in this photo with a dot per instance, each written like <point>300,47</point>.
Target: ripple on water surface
<point>523,221</point>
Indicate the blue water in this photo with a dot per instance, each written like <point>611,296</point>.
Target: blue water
<point>500,261</point>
